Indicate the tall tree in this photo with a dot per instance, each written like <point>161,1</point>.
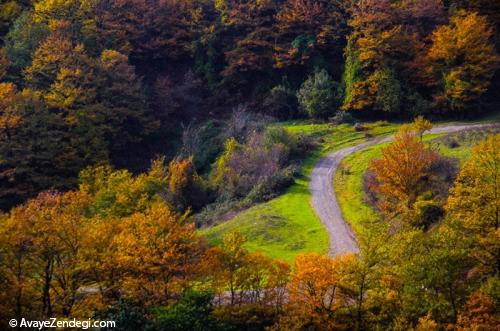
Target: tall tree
<point>463,60</point>
<point>35,153</point>
<point>474,204</point>
<point>309,32</point>
<point>149,30</point>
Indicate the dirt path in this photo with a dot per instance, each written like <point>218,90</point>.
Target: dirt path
<point>324,201</point>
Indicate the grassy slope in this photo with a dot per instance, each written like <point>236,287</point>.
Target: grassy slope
<point>287,226</point>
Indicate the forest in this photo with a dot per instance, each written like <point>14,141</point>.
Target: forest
<point>220,165</point>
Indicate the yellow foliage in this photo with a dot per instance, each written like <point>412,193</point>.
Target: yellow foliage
<point>464,58</point>
<point>474,203</point>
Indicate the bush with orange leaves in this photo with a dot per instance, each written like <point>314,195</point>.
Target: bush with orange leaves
<point>400,172</point>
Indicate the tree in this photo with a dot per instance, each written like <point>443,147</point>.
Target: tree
<point>384,68</point>
<point>55,52</point>
<point>248,42</point>
<point>9,11</point>
<point>102,101</point>
<point>185,186</point>
<point>474,204</point>
<point>463,60</point>
<point>428,270</point>
<point>400,171</point>
<point>22,41</point>
<point>308,32</point>
<point>250,278</point>
<point>420,125</point>
<point>117,193</point>
<point>159,252</point>
<point>281,102</point>
<point>35,154</point>
<point>319,95</point>
<point>478,313</point>
<point>230,258</point>
<point>491,9</point>
<point>315,294</point>
<point>4,63</point>
<point>149,30</point>
<point>41,244</point>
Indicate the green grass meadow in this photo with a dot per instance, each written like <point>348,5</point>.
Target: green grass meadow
<point>287,226</point>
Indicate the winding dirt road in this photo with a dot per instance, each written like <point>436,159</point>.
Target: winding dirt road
<point>324,201</point>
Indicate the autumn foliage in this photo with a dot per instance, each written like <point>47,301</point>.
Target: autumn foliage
<point>92,90</point>
<point>400,171</point>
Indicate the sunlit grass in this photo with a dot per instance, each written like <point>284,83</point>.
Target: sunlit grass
<point>287,226</point>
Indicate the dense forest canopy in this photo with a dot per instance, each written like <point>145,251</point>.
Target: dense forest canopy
<point>98,81</point>
<point>127,125</point>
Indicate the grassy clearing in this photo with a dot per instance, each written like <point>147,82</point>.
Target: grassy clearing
<point>287,226</point>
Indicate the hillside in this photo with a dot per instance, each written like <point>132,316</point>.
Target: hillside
<point>244,165</point>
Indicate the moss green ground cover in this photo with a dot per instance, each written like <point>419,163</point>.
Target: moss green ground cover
<point>287,226</point>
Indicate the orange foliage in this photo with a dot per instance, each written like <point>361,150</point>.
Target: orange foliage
<point>478,314</point>
<point>316,293</point>
<point>158,253</point>
<point>463,58</point>
<point>400,170</point>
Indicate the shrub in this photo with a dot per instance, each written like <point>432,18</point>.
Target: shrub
<point>192,312</point>
<point>427,212</point>
<point>281,103</point>
<point>319,95</point>
<point>270,187</point>
<point>359,127</point>
<point>185,188</point>
<point>241,166</point>
<point>342,117</point>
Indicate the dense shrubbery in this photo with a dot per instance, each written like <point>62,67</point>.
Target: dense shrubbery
<point>256,170</point>
<point>319,96</point>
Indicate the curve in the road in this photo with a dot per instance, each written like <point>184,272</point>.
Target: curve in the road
<point>325,203</point>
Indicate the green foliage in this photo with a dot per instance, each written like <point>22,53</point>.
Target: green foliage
<point>191,312</point>
<point>343,117</point>
<point>221,170</point>
<point>129,316</point>
<point>23,39</point>
<point>9,11</point>
<point>389,92</point>
<point>319,95</point>
<point>119,193</point>
<point>351,73</point>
